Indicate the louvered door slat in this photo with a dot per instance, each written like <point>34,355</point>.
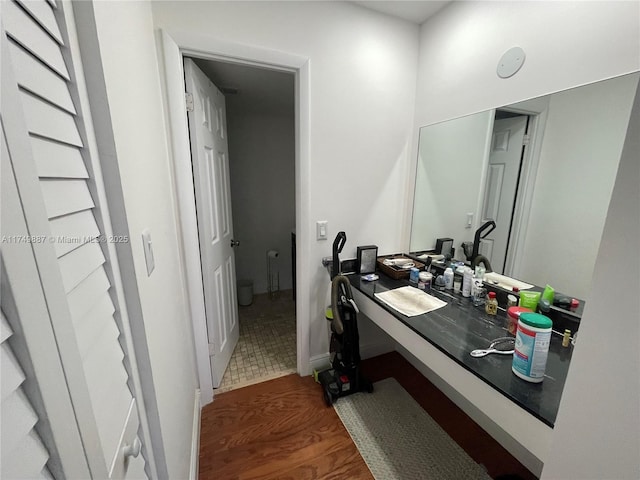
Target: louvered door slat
<point>34,76</point>
<point>22,454</point>
<point>12,376</point>
<point>111,402</point>
<point>92,326</point>
<point>73,231</point>
<point>84,296</point>
<point>27,460</point>
<point>5,329</point>
<point>28,33</point>
<point>78,264</point>
<point>63,197</point>
<point>48,121</point>
<point>42,12</point>
<point>57,160</point>
<point>18,418</point>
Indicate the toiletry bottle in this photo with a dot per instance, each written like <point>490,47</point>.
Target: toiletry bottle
<point>491,307</point>
<point>458,276</point>
<point>414,276</point>
<point>479,293</point>
<point>467,279</point>
<point>448,279</point>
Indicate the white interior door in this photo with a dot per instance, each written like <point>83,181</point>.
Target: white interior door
<point>501,187</point>
<point>210,158</point>
<point>67,220</point>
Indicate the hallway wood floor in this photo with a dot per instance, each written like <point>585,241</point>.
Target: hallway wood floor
<point>281,429</point>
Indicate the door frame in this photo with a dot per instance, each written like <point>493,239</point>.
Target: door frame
<point>537,110</point>
<point>175,45</point>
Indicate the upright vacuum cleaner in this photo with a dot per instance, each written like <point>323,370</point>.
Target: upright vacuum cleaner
<point>344,376</point>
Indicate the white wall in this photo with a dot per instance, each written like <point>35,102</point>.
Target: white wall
<point>451,162</point>
<point>262,165</point>
<point>129,61</point>
<point>362,94</point>
<point>597,434</point>
<point>567,44</point>
<point>583,140</point>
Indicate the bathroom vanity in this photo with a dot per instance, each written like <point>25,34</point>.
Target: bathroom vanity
<point>519,414</point>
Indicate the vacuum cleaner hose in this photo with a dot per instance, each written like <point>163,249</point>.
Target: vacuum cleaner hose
<point>340,287</point>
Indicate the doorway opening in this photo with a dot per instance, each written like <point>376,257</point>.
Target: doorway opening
<point>259,129</point>
<point>504,186</point>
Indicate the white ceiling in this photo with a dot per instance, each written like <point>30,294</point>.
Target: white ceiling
<point>260,89</point>
<point>414,11</point>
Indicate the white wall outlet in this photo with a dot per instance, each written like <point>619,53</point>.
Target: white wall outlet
<point>469,220</point>
<point>321,229</point>
<point>148,251</point>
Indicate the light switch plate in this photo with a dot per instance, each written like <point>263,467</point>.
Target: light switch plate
<point>321,229</point>
<point>469,220</point>
<point>148,251</point>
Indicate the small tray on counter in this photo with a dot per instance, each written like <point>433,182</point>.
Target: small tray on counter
<point>397,272</point>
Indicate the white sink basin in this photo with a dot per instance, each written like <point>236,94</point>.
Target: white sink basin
<point>505,282</point>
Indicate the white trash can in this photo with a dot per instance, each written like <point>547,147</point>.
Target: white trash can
<point>245,292</point>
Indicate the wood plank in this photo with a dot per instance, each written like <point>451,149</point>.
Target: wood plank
<point>82,298</point>
<point>72,231</point>
<point>42,12</point>
<point>79,264</point>
<point>33,75</point>
<point>48,121</point>
<point>64,197</point>
<point>57,160</point>
<point>276,429</point>
<point>282,429</point>
<point>26,32</point>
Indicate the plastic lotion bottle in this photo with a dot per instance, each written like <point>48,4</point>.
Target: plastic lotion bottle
<point>448,279</point>
<point>467,279</point>
<point>532,346</point>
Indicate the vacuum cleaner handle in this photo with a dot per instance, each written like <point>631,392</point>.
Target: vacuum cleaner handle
<point>338,245</point>
<point>480,234</point>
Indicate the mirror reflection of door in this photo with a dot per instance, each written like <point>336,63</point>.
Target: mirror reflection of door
<point>503,174</point>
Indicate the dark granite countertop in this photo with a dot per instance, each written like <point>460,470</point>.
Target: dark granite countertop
<point>459,327</point>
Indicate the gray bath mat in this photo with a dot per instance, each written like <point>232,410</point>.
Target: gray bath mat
<point>399,440</point>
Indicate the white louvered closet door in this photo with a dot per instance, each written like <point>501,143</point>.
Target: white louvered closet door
<point>23,453</point>
<point>56,183</point>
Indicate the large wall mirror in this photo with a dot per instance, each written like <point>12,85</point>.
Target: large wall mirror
<point>542,169</point>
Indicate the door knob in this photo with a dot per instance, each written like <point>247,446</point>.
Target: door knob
<point>235,243</point>
<point>132,450</point>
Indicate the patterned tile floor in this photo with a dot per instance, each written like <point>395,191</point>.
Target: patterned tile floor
<point>266,348</point>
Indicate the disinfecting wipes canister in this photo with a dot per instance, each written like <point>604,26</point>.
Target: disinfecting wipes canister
<point>532,346</point>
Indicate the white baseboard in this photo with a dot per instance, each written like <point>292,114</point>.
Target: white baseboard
<point>195,437</point>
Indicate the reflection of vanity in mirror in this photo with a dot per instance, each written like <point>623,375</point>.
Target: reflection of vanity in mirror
<point>542,169</point>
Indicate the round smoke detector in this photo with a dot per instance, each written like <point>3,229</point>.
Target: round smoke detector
<point>511,62</point>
